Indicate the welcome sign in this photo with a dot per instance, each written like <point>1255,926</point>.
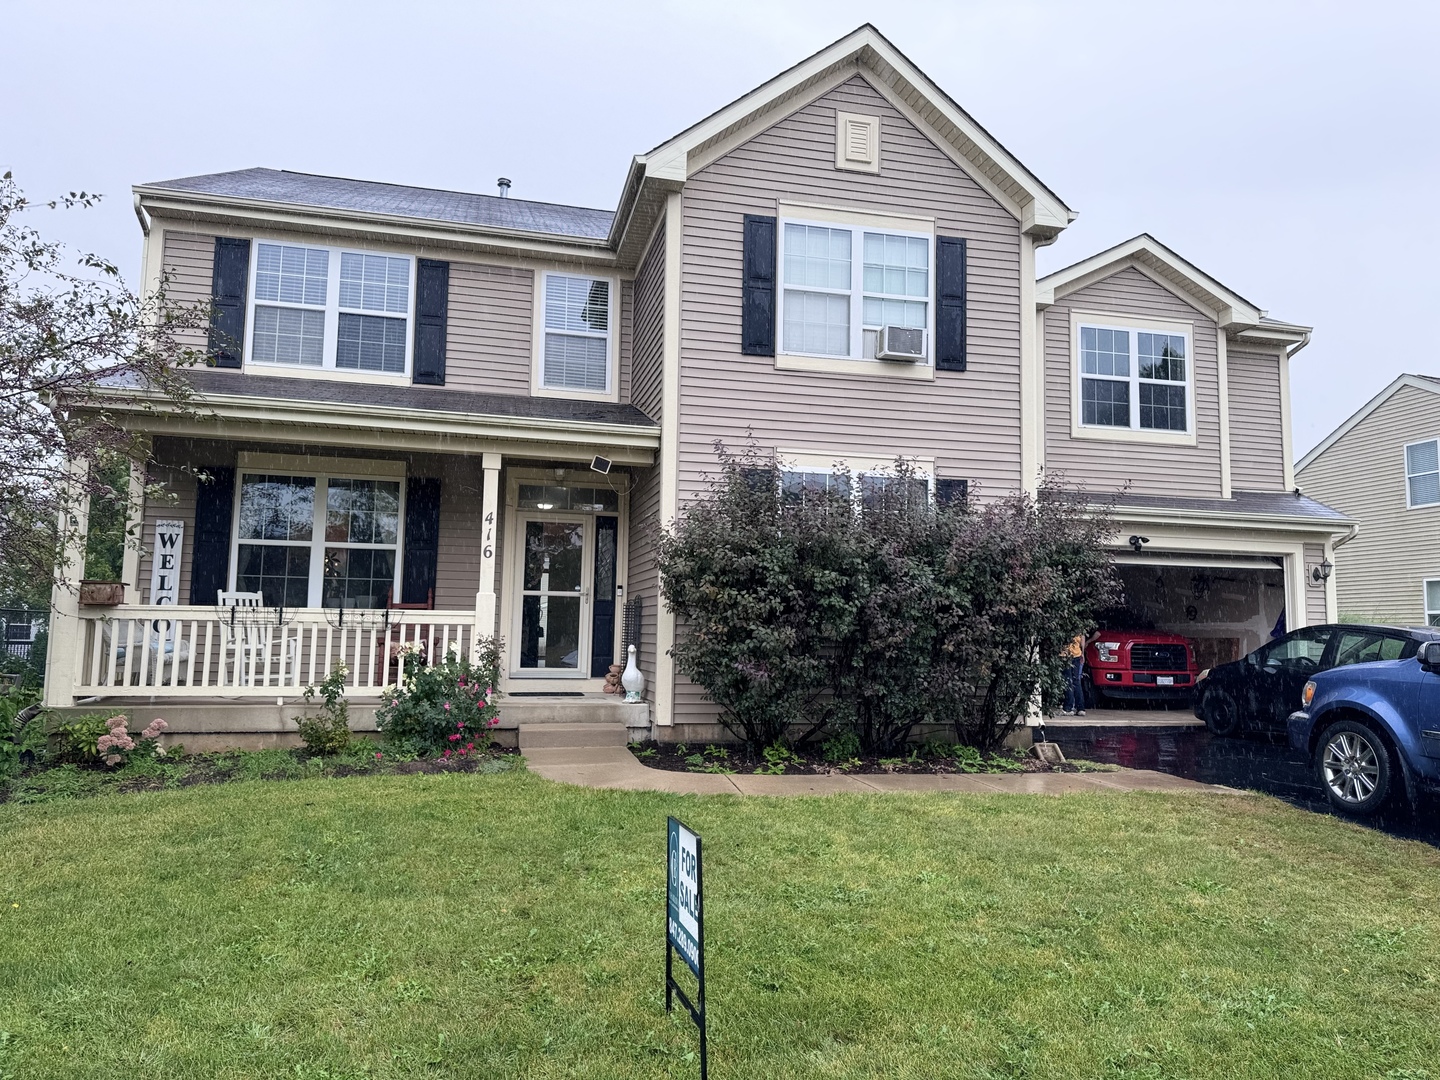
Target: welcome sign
<point>165,569</point>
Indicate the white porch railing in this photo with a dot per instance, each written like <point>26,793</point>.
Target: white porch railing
<point>149,650</point>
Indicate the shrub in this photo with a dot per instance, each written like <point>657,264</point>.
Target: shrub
<point>841,747</point>
<point>802,610</point>
<point>446,708</point>
<point>329,731</point>
<point>77,739</point>
<point>117,747</point>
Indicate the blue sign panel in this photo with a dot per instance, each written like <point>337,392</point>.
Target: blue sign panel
<point>684,915</point>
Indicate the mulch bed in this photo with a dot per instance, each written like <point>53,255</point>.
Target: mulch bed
<point>678,757</point>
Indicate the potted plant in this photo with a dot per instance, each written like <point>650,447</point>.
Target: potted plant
<point>102,593</point>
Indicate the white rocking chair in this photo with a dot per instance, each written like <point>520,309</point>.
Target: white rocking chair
<point>248,640</point>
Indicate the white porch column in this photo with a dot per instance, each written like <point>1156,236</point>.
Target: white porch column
<point>61,656</point>
<point>489,531</point>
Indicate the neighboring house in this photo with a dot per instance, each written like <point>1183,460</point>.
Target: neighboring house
<point>409,387</point>
<point>1381,467</point>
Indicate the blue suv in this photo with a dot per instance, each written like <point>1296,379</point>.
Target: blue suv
<point>1373,730</point>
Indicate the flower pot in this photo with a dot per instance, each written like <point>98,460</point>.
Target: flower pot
<point>102,593</point>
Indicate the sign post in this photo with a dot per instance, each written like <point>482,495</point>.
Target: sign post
<point>685,925</point>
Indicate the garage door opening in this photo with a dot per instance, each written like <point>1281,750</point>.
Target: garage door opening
<point>1221,609</point>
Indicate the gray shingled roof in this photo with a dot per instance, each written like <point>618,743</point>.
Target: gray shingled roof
<point>434,399</point>
<point>1243,504</point>
<point>371,197</point>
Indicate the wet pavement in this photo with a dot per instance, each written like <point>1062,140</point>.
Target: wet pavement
<point>1255,761</point>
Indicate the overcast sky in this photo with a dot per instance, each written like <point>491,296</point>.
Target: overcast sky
<point>1288,149</point>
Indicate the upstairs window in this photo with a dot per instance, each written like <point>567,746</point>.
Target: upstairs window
<point>1422,473</point>
<point>840,284</point>
<point>330,308</point>
<point>1135,379</point>
<point>575,354</point>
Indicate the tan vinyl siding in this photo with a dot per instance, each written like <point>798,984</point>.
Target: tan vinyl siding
<point>189,259</point>
<point>1257,442</point>
<point>1148,468</point>
<point>645,385</point>
<point>627,339</point>
<point>457,572</point>
<point>643,579</point>
<point>1314,594</point>
<point>488,328</point>
<point>1380,575</point>
<point>969,422</point>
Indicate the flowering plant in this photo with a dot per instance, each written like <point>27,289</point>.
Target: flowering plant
<point>447,709</point>
<point>328,732</point>
<point>117,747</point>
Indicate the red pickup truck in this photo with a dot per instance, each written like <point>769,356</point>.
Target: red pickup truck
<point>1141,664</point>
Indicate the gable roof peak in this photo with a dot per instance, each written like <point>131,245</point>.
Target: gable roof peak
<point>1430,384</point>
<point>866,51</point>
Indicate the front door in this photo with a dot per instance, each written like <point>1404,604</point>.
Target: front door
<point>554,616</point>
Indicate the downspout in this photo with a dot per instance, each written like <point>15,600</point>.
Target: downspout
<point>140,215</point>
<point>1290,352</point>
<point>1347,537</point>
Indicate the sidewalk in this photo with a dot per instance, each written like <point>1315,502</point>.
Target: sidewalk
<point>617,767</point>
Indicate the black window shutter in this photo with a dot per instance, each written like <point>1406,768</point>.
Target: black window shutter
<point>210,553</point>
<point>432,300</point>
<point>949,303</point>
<point>227,312</point>
<point>758,479</point>
<point>422,539</point>
<point>952,492</point>
<point>757,311</point>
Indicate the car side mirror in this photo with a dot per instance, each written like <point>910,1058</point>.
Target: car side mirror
<point>1429,655</point>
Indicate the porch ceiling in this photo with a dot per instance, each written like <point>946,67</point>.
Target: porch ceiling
<point>413,418</point>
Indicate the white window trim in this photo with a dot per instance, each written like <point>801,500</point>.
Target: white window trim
<point>854,364</point>
<point>1405,468</point>
<point>1110,321</point>
<point>858,465</point>
<point>321,470</point>
<point>537,358</point>
<point>1425,599</point>
<point>327,368</point>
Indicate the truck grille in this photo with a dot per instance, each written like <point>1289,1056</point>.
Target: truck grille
<point>1145,657</point>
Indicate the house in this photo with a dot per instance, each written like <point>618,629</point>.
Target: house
<point>487,406</point>
<point>1381,468</point>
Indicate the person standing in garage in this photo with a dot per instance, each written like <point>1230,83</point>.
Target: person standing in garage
<point>1075,686</point>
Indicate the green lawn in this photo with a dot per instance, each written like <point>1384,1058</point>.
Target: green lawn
<point>499,926</point>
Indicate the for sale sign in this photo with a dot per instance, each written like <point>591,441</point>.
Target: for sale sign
<point>683,908</point>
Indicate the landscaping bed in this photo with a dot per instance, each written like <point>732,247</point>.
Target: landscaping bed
<point>828,759</point>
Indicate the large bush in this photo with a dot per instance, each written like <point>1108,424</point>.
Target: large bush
<point>806,609</point>
<point>442,709</point>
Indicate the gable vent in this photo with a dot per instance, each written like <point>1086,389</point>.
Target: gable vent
<point>857,142</point>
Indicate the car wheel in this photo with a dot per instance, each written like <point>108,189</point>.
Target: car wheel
<point>1353,766</point>
<point>1222,715</point>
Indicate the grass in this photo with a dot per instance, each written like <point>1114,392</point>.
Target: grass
<point>502,926</point>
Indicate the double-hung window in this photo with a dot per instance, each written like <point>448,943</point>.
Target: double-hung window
<point>1135,378</point>
<point>317,540</point>
<point>1422,473</point>
<point>840,284</point>
<point>575,353</point>
<point>1432,602</point>
<point>330,308</point>
<point>871,485</point>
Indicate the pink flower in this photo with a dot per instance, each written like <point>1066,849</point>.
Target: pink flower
<point>447,706</point>
<point>462,680</point>
<point>469,746</point>
<point>446,754</point>
<point>493,721</point>
<point>117,722</point>
<point>454,738</point>
<point>460,724</point>
<point>462,751</point>
<point>112,759</point>
<point>378,755</point>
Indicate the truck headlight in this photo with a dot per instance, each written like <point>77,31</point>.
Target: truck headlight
<point>1202,676</point>
<point>1308,694</point>
<point>1107,651</point>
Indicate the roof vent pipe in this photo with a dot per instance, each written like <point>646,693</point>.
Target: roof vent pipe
<point>504,187</point>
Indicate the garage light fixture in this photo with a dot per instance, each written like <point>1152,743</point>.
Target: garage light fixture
<point>1321,573</point>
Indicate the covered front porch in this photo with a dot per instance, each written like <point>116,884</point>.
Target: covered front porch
<point>278,551</point>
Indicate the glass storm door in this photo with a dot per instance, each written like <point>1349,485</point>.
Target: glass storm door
<point>554,599</point>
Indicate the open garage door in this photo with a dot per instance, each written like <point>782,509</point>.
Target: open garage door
<point>1214,608</point>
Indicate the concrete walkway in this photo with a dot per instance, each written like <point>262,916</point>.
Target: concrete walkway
<point>616,767</point>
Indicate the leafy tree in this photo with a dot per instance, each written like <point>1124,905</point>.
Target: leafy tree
<point>71,329</point>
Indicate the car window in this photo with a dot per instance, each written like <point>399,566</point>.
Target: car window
<point>1365,646</point>
<point>1303,648</point>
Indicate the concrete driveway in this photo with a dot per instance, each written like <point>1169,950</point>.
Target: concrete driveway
<point>1258,762</point>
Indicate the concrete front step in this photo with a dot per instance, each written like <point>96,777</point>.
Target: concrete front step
<point>590,709</point>
<point>537,736</point>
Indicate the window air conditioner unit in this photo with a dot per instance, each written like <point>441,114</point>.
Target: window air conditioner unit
<point>900,343</point>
